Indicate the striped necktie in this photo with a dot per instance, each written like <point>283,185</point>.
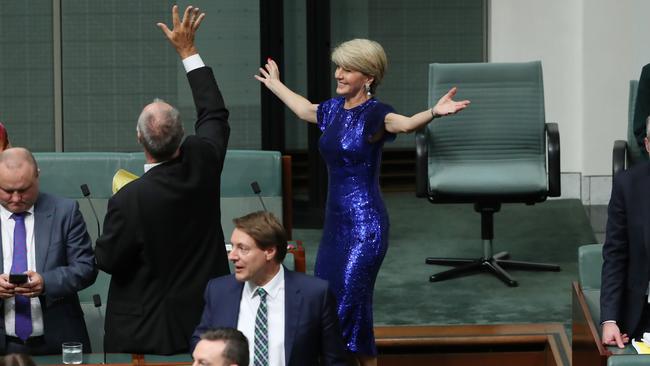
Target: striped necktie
<point>261,356</point>
<point>19,265</point>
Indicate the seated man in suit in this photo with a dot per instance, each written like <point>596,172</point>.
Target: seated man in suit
<point>289,317</point>
<point>45,238</point>
<point>624,307</point>
<point>221,347</point>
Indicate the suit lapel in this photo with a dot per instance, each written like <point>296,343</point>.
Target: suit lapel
<point>231,303</point>
<point>292,311</point>
<point>43,216</point>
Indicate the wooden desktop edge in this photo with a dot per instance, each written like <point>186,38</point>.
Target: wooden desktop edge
<point>587,349</point>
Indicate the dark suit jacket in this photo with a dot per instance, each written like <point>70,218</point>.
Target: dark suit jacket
<point>65,260</point>
<point>642,109</point>
<point>626,251</point>
<point>312,330</point>
<point>162,238</point>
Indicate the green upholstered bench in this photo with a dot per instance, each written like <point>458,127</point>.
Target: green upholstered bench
<point>586,342</point>
<point>63,173</point>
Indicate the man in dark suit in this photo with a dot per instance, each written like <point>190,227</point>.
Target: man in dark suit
<point>642,108</point>
<point>44,237</point>
<point>624,307</point>
<point>289,318</point>
<point>162,238</point>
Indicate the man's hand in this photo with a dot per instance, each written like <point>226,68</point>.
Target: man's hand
<point>6,288</point>
<point>612,336</point>
<point>182,35</point>
<point>33,287</point>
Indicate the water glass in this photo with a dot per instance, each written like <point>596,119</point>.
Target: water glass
<point>72,353</point>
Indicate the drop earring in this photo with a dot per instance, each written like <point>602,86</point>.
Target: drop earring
<point>368,93</point>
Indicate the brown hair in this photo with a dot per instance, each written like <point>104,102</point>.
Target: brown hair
<point>236,350</point>
<point>266,230</point>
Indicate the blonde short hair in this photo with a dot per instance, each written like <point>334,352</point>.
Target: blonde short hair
<point>363,55</point>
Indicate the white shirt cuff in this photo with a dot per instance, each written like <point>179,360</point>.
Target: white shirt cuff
<point>193,62</point>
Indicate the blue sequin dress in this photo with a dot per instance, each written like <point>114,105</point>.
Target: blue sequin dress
<point>355,232</point>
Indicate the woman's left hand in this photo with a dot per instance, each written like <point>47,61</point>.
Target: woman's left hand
<point>446,105</point>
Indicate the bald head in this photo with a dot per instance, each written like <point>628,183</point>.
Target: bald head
<point>18,158</point>
<point>160,130</point>
<point>18,179</point>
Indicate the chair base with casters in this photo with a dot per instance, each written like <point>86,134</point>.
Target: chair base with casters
<point>495,264</point>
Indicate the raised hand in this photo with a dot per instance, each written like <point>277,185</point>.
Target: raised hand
<point>269,74</point>
<point>182,34</point>
<point>446,105</point>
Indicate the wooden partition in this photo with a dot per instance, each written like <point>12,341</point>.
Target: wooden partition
<point>485,345</point>
<point>587,348</point>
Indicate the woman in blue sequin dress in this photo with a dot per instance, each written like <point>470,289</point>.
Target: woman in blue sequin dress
<point>355,126</point>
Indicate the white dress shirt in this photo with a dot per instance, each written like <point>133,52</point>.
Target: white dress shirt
<point>250,301</point>
<point>7,229</point>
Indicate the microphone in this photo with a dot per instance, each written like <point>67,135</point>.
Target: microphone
<point>97,301</point>
<point>257,191</point>
<point>86,192</point>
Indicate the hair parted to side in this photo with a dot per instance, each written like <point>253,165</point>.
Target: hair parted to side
<point>161,130</point>
<point>266,230</point>
<point>236,350</point>
<point>363,55</point>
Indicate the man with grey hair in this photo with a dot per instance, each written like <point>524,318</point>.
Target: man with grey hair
<point>160,130</point>
<point>162,238</point>
<point>221,347</point>
<point>46,256</point>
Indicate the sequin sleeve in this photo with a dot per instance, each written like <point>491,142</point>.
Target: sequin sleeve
<point>381,110</point>
<point>325,112</point>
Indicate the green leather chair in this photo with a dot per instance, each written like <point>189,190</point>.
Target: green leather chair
<point>627,153</point>
<point>590,263</point>
<point>493,152</point>
<point>629,360</point>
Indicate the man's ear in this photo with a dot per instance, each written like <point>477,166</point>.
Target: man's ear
<point>270,253</point>
<point>646,142</point>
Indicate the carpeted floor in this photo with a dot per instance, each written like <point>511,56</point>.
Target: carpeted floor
<point>547,232</point>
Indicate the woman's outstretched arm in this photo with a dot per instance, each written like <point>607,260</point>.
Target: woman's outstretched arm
<point>270,77</point>
<point>397,123</point>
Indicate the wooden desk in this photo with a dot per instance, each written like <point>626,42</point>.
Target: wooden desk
<point>587,348</point>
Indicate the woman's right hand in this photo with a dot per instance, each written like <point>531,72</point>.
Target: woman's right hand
<point>269,74</point>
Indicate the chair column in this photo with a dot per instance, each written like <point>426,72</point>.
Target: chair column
<point>487,225</point>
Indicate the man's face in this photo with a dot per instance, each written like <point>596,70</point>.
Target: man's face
<point>18,188</point>
<point>250,261</point>
<point>209,353</point>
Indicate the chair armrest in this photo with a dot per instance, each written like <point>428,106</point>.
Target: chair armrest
<point>553,146</point>
<point>619,156</point>
<point>421,162</point>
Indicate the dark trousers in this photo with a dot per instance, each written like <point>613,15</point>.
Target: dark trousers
<point>33,346</point>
